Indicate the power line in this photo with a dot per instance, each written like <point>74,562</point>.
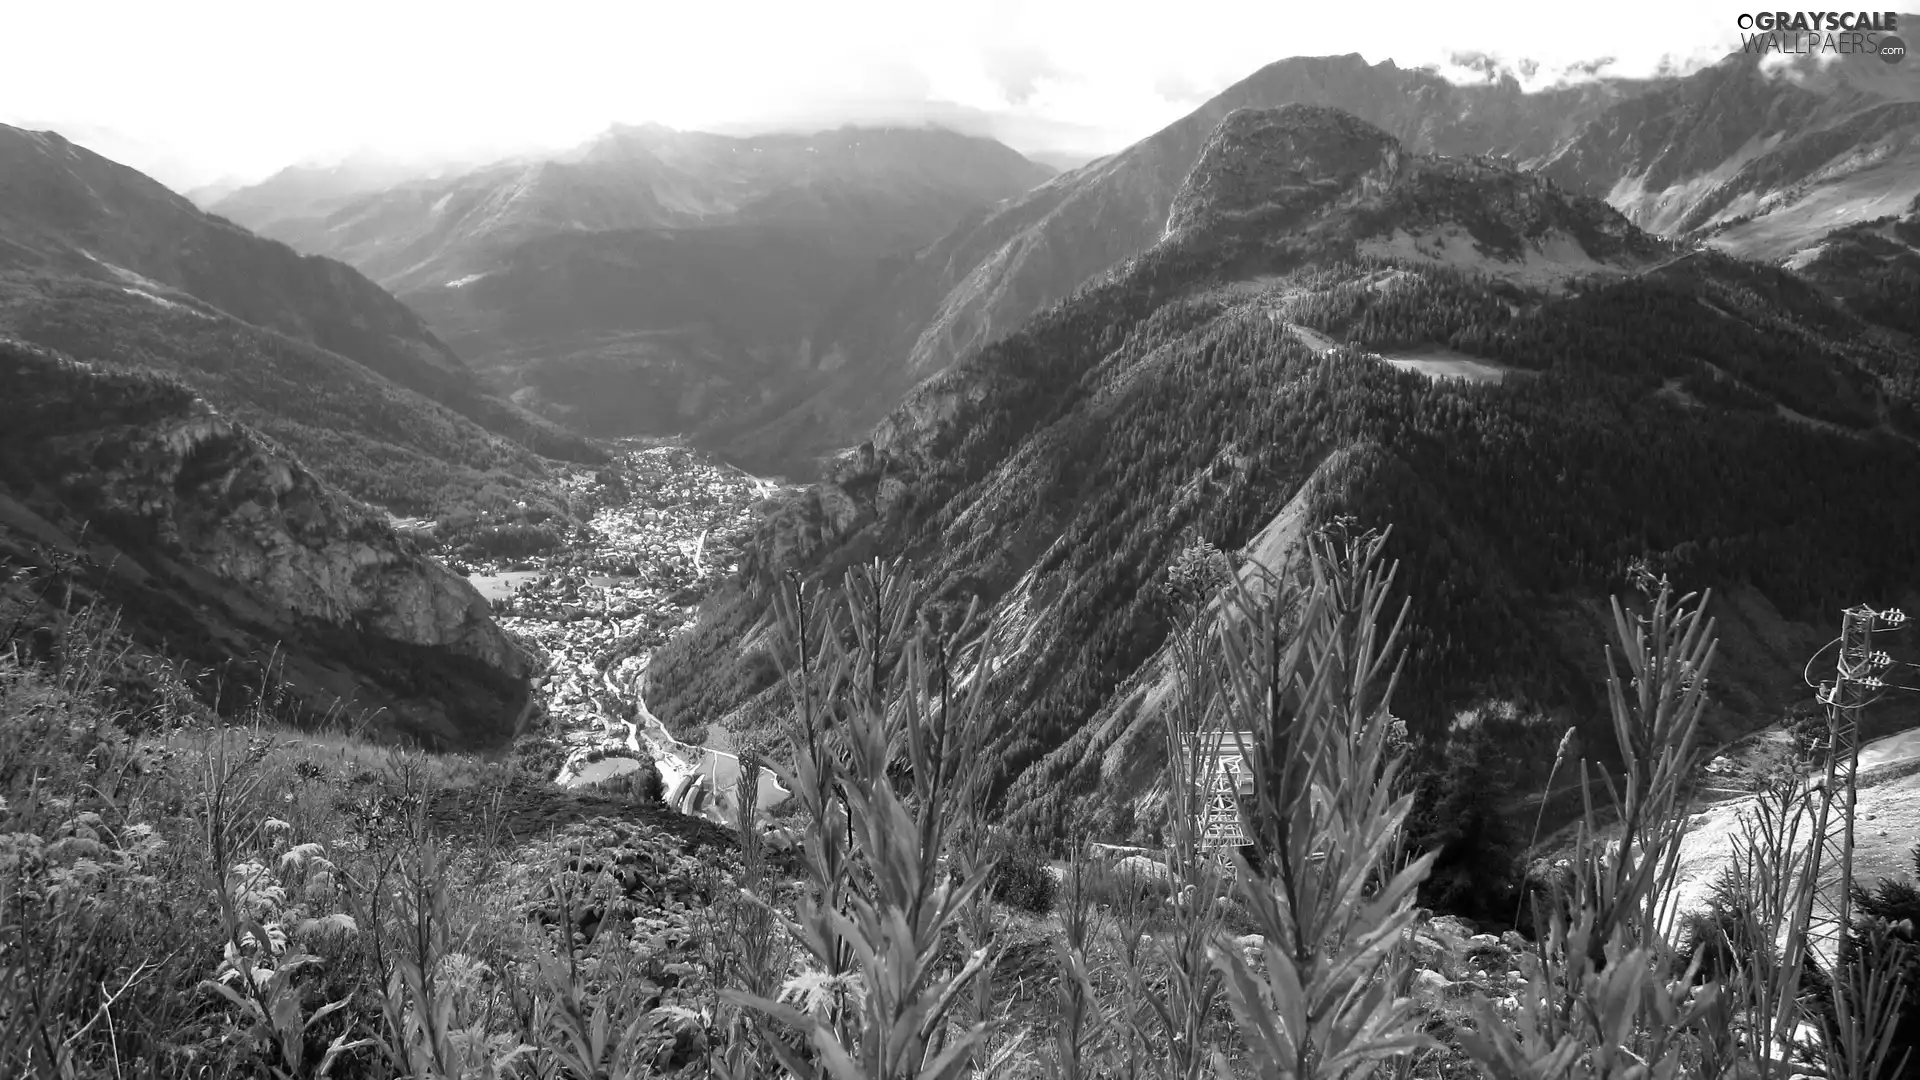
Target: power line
<point>1858,683</point>
<point>1806,673</point>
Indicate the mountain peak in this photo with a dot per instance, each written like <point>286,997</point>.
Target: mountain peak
<point>1262,160</point>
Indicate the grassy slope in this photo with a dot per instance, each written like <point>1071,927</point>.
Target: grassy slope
<point>377,440</point>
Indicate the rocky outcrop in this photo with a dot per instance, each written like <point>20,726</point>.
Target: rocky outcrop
<point>1260,161</point>
<point>174,502</point>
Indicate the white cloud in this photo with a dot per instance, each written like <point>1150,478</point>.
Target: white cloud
<point>218,87</point>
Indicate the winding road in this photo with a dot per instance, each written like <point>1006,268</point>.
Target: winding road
<point>697,779</point>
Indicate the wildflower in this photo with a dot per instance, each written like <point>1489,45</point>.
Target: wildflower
<point>817,992</point>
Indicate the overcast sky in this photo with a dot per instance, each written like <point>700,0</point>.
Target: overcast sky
<point>197,90</point>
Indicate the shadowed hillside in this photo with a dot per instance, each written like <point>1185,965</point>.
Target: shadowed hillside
<point>222,552</point>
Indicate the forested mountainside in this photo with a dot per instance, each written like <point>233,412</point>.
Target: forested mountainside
<point>984,279</point>
<point>229,563</point>
<point>106,265</point>
<point>66,212</point>
<point>655,279</point>
<point>1271,365</point>
<point>1874,268</point>
<point>1761,154</point>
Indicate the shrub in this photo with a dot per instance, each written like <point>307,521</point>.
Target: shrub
<point>1884,936</point>
<point>1726,937</point>
<point>1022,880</point>
<point>642,785</point>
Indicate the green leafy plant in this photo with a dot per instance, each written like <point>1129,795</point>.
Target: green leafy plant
<point>874,1006</point>
<point>1321,882</point>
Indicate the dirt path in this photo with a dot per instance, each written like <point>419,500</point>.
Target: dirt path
<point>1886,816</point>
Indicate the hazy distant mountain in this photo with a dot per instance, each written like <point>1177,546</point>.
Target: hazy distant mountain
<point>302,192</point>
<point>1533,392</point>
<point>1062,160</point>
<point>205,195</point>
<point>104,263</point>
<point>981,281</point>
<point>652,278</point>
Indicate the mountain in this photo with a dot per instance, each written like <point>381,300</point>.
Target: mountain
<point>985,278</point>
<point>104,263</point>
<point>1532,392</point>
<point>1761,153</point>
<point>1758,155</point>
<point>653,279</point>
<point>206,195</point>
<point>1873,267</point>
<point>220,551</point>
<point>1063,160</point>
<point>300,192</point>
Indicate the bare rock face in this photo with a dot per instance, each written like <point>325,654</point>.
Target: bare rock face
<point>214,516</point>
<point>242,511</point>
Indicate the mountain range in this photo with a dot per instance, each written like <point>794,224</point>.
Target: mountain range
<point>1757,155</point>
<point>651,280</point>
<point>1335,330</point>
<point>1547,336</point>
<point>214,433</point>
<point>97,259</point>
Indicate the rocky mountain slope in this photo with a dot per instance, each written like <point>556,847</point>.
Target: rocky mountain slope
<point>102,262</point>
<point>1533,392</point>
<point>1763,152</point>
<point>654,279</point>
<point>220,550</point>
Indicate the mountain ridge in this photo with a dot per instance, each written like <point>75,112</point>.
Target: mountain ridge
<point>982,281</point>
<point>66,212</point>
<point>1243,384</point>
<point>1817,146</point>
<point>98,260</point>
<point>646,210</point>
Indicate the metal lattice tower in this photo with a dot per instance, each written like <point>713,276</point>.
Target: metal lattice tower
<point>1225,782</point>
<point>1855,683</point>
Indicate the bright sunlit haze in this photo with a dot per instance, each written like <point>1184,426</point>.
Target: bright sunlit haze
<point>219,90</point>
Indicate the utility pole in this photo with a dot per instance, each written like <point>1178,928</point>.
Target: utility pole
<point>1856,683</point>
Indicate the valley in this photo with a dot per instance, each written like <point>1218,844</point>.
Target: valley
<point>594,609</point>
<point>394,619</point>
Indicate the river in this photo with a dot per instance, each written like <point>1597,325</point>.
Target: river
<point>677,761</point>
